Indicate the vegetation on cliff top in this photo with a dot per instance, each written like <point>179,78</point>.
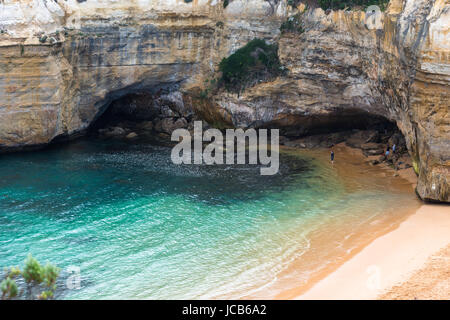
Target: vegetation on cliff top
<point>342,4</point>
<point>256,61</point>
<point>326,4</point>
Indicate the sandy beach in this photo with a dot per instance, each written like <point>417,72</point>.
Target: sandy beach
<point>389,267</point>
<point>410,262</point>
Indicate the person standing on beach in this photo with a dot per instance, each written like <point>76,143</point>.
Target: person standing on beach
<point>332,156</point>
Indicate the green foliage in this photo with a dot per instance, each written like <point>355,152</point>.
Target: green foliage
<point>9,288</point>
<point>46,295</point>
<point>257,60</point>
<point>50,273</point>
<point>14,272</point>
<point>34,274</point>
<point>342,4</point>
<point>33,271</point>
<point>292,24</point>
<point>188,1</point>
<point>226,3</point>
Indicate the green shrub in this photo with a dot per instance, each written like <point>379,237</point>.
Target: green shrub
<point>14,272</point>
<point>9,288</point>
<point>50,273</point>
<point>226,3</point>
<point>34,274</point>
<point>46,295</point>
<point>257,60</point>
<point>342,4</point>
<point>33,270</point>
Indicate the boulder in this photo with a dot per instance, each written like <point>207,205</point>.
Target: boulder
<point>372,146</point>
<point>163,136</point>
<point>372,149</point>
<point>373,136</point>
<point>318,141</point>
<point>181,123</point>
<point>360,137</point>
<point>113,132</point>
<point>283,140</point>
<point>176,102</point>
<point>400,143</point>
<point>168,125</point>
<point>295,144</point>
<point>167,112</point>
<point>131,135</point>
<point>145,125</point>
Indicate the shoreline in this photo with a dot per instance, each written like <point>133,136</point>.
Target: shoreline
<point>402,253</point>
<point>351,164</point>
<point>397,253</point>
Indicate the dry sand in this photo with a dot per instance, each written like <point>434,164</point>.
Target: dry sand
<point>430,282</point>
<point>388,267</point>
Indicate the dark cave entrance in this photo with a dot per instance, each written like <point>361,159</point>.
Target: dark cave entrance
<point>154,115</point>
<point>377,137</point>
<point>144,114</point>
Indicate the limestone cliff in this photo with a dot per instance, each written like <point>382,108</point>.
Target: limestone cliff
<point>62,62</point>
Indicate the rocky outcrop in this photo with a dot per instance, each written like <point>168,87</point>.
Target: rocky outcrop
<point>340,72</point>
<point>63,62</point>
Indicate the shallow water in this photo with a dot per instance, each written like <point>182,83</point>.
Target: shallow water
<point>138,226</point>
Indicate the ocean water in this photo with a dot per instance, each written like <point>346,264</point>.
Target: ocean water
<point>139,227</point>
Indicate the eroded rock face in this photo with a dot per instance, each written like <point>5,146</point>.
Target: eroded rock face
<point>62,63</point>
<point>339,70</point>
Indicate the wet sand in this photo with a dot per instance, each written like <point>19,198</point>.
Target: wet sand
<point>329,253</point>
<point>397,265</point>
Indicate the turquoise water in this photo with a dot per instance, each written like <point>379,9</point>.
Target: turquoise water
<point>138,226</point>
